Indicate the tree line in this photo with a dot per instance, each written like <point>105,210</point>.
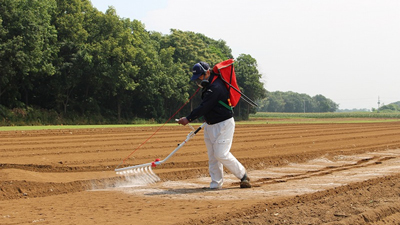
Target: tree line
<point>65,60</point>
<point>294,102</point>
<point>393,107</point>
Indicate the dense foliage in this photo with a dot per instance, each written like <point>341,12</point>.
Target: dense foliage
<point>293,102</point>
<point>63,61</point>
<point>390,108</point>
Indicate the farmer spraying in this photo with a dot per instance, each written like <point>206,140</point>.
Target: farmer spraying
<point>218,132</point>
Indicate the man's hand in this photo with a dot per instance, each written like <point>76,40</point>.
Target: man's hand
<point>183,121</point>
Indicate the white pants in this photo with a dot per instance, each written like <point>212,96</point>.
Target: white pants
<point>218,138</point>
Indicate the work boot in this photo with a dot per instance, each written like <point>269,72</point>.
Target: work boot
<point>245,182</point>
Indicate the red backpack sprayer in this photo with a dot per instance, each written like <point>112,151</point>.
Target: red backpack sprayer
<point>226,72</point>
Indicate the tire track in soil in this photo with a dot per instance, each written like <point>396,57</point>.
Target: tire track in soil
<point>350,169</point>
<point>377,198</point>
<point>376,203</point>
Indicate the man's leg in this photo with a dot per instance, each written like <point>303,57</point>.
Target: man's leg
<point>215,167</point>
<point>222,133</point>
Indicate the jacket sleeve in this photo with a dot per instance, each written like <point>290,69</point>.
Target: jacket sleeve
<point>210,99</point>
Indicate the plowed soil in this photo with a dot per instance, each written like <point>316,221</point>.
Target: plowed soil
<point>347,173</point>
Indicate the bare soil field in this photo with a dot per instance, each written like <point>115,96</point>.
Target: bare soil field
<point>346,173</point>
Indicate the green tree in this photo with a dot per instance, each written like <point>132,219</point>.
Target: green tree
<point>191,48</point>
<point>68,56</point>
<point>71,58</point>
<point>324,104</point>
<point>89,90</point>
<point>307,102</point>
<point>276,102</point>
<point>27,48</point>
<point>174,86</point>
<point>116,62</point>
<point>248,79</point>
<point>393,107</point>
<point>294,102</point>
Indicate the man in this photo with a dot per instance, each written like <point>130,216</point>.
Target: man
<point>218,132</point>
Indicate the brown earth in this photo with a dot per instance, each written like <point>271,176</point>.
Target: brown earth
<point>301,173</point>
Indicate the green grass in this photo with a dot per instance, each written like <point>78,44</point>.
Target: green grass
<point>314,121</point>
<point>355,117</point>
<point>327,115</point>
<point>20,128</point>
<point>258,118</point>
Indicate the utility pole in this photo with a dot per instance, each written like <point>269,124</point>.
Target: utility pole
<point>379,102</point>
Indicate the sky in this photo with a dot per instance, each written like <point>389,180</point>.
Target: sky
<point>345,50</point>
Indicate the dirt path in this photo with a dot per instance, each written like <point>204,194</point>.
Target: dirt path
<point>302,174</point>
